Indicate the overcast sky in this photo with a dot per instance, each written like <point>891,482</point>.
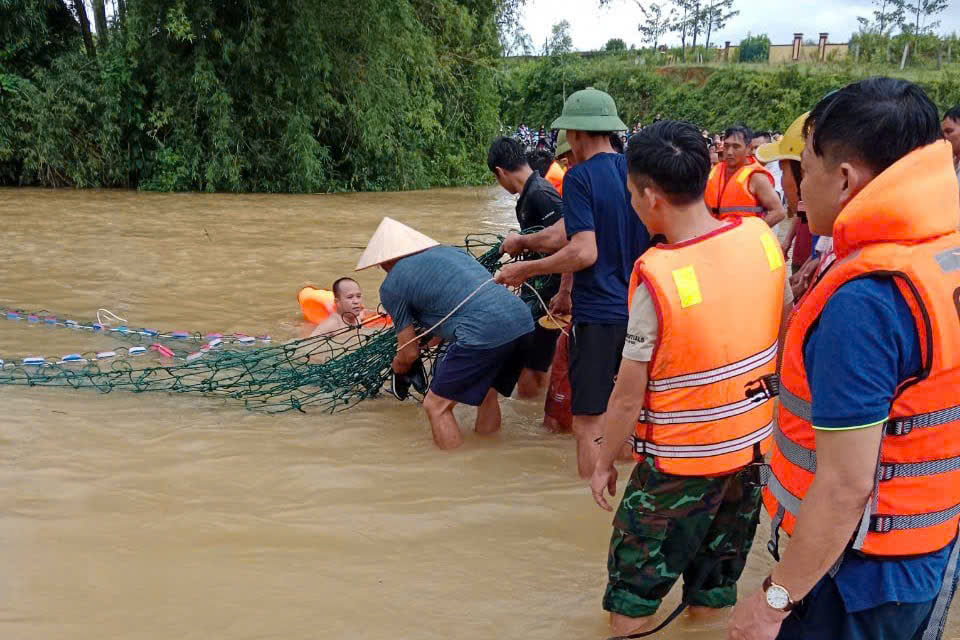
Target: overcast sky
<point>592,27</point>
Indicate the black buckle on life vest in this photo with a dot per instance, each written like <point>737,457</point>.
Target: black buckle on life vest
<point>756,474</point>
<point>767,386</point>
<point>880,523</point>
<point>885,471</point>
<point>899,427</point>
<point>774,549</point>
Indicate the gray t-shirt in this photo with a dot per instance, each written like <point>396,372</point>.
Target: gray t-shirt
<point>426,286</point>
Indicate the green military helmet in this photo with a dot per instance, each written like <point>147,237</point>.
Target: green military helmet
<point>562,145</point>
<point>589,110</point>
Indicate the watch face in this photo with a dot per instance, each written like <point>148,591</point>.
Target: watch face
<point>777,597</point>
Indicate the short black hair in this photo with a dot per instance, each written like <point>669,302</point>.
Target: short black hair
<point>739,130</point>
<point>540,161</point>
<point>672,156</point>
<point>339,281</point>
<point>953,114</point>
<point>506,153</point>
<point>878,121</point>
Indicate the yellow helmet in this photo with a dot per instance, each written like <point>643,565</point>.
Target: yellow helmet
<point>789,147</point>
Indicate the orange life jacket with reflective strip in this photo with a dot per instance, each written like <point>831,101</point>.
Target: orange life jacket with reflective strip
<point>733,197</point>
<point>902,225</point>
<point>697,418</point>
<point>555,176</point>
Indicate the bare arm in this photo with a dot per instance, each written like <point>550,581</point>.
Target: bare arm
<point>619,421</point>
<point>550,240</point>
<point>788,239</point>
<point>408,354</point>
<point>846,465</point>
<point>768,199</point>
<point>580,253</point>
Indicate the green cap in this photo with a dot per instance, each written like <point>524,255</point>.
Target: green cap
<point>589,110</point>
<point>562,145</point>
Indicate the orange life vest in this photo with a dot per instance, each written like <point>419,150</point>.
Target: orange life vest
<point>901,225</point>
<point>555,176</point>
<point>733,197</point>
<point>697,418</point>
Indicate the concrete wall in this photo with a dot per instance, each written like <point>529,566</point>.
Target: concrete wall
<point>783,53</point>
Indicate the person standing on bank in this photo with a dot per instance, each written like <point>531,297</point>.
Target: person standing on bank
<point>446,291</point>
<point>539,206</point>
<point>740,186</point>
<point>603,238</point>
<point>692,504</point>
<point>866,460</point>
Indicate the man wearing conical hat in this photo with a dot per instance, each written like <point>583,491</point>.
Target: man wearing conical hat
<point>444,291</point>
<point>605,237</point>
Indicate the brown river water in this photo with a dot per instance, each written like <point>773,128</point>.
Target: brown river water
<point>158,516</point>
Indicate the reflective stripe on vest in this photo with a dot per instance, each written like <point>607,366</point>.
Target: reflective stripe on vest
<point>740,209</point>
<point>701,451</point>
<point>705,415</point>
<point>879,523</point>
<point>715,375</point>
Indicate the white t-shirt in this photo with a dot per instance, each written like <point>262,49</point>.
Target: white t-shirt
<point>643,327</point>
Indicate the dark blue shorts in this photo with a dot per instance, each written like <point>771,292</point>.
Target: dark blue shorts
<point>466,374</point>
<point>822,615</point>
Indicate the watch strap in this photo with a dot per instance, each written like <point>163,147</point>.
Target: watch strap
<point>768,582</point>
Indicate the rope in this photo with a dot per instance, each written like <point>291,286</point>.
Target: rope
<point>110,315</point>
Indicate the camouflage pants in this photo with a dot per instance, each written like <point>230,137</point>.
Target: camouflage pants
<point>668,526</point>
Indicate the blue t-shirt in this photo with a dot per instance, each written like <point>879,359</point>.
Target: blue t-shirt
<point>863,346</point>
<point>426,286</point>
<point>595,198</point>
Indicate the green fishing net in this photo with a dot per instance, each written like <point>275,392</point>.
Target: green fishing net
<point>323,373</point>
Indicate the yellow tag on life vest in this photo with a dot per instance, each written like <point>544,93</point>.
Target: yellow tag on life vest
<point>774,256</point>
<point>687,286</point>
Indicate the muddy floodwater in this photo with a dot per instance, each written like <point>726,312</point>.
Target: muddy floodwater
<point>156,516</point>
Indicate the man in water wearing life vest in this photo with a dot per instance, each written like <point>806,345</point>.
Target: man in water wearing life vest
<point>692,503</point>
<point>866,458</point>
<point>598,240</point>
<point>348,308</point>
<point>446,292</point>
<point>739,186</point>
<point>539,206</point>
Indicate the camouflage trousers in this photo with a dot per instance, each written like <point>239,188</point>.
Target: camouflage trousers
<point>668,526</point>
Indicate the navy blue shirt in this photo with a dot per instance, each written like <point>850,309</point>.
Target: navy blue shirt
<point>595,198</point>
<point>862,347</point>
<point>426,286</point>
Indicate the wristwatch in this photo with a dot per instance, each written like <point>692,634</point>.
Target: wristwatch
<point>777,597</point>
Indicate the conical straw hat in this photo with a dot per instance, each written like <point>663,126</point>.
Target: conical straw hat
<point>393,240</point>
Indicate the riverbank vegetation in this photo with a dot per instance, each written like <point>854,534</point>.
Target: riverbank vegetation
<point>254,95</point>
<point>713,96</point>
<point>306,96</point>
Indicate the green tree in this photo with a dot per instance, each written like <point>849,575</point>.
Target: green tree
<point>658,19</point>
<point>755,48</point>
<point>887,15</point>
<point>718,13</point>
<point>923,12</point>
<point>250,95</point>
<point>614,45</point>
<point>560,41</point>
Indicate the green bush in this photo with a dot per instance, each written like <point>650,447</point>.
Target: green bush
<point>712,97</point>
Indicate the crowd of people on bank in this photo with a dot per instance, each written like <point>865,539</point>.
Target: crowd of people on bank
<point>827,393</point>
